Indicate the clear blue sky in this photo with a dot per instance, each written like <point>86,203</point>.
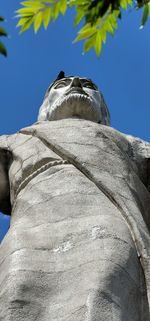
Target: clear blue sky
<point>122,72</point>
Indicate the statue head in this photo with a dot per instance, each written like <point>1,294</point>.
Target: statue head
<point>74,97</point>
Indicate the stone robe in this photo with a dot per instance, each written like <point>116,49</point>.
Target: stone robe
<point>78,248</point>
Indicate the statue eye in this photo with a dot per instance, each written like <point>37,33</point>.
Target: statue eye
<point>61,84</point>
<point>89,85</point>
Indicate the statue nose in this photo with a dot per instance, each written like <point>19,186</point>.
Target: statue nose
<point>76,82</point>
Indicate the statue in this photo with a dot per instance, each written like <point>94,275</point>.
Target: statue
<point>78,248</point>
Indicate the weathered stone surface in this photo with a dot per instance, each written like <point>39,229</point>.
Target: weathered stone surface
<point>79,195</point>
<point>78,246</point>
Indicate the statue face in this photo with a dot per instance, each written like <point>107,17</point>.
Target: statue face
<point>74,97</point>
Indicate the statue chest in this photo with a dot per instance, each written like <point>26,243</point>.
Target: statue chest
<point>41,146</point>
<point>92,150</point>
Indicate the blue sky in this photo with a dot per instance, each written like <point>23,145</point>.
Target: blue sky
<point>122,72</point>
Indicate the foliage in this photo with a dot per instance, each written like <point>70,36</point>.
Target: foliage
<point>2,34</point>
<point>100,17</point>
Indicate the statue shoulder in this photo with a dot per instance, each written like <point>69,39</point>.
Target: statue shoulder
<point>141,148</point>
<point>137,150</point>
<point>6,141</point>
<point>141,156</point>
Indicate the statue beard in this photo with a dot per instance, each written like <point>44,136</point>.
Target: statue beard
<point>74,106</point>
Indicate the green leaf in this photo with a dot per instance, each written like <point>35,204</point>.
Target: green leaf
<point>55,10</point>
<point>22,21</point>
<point>25,15</point>
<point>85,34</point>
<point>46,17</point>
<point>87,31</point>
<point>32,4</point>
<point>124,4</point>
<point>109,27</point>
<point>1,18</point>
<point>78,3</point>
<point>27,11</point>
<point>3,49</point>
<point>103,35</point>
<point>27,24</point>
<point>3,32</point>
<point>47,2</point>
<point>79,17</point>
<point>86,27</point>
<point>98,43</point>
<point>63,6</point>
<point>24,11</point>
<point>89,43</point>
<point>145,15</point>
<point>37,21</point>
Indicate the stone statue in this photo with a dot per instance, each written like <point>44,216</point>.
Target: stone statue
<point>78,248</point>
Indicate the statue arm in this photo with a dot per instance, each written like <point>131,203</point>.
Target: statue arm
<point>5,157</point>
<point>141,157</point>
